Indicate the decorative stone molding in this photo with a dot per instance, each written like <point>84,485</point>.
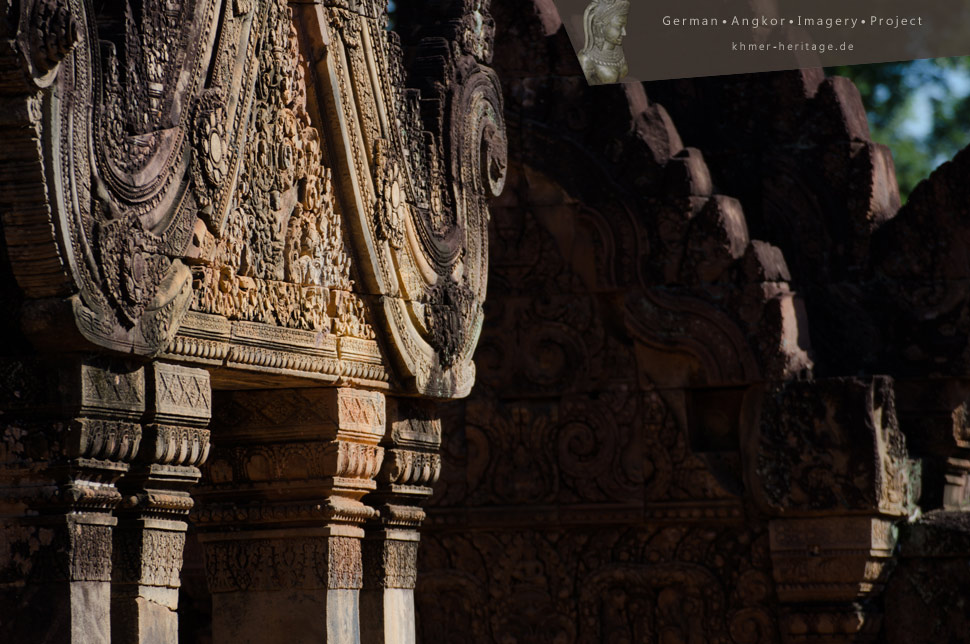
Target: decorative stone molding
<point>280,564</point>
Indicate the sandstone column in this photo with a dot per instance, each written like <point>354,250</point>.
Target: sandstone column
<point>281,513</point>
<point>67,432</point>
<point>411,466</point>
<point>150,535</point>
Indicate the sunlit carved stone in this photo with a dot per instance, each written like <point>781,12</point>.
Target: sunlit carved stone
<point>227,197</point>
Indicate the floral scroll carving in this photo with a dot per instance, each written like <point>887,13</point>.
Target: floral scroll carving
<point>422,163</point>
<point>252,184</point>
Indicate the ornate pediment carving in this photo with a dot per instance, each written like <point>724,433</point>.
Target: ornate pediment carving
<point>251,184</point>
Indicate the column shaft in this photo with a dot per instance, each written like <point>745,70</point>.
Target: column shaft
<point>281,513</point>
<point>411,466</point>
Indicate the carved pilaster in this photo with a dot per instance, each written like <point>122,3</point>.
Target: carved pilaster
<point>67,432</point>
<point>281,516</point>
<point>156,501</point>
<point>828,461</point>
<point>411,466</point>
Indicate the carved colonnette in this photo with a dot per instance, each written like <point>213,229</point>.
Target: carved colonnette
<point>150,536</point>
<point>411,466</point>
<point>99,455</point>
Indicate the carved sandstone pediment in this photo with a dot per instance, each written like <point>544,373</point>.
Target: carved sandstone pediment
<point>250,185</point>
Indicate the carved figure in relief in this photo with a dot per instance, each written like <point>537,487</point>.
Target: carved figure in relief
<point>604,24</point>
<point>281,259</point>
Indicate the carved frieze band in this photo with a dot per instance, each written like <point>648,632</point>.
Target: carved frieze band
<point>75,549</point>
<point>282,563</point>
<point>149,557</point>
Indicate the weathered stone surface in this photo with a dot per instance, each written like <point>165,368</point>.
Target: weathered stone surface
<point>642,316</point>
<point>721,393</point>
<point>248,195</point>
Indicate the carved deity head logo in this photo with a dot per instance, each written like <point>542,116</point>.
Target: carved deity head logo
<point>602,57</point>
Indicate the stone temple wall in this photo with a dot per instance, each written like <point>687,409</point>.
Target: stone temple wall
<point>244,254</point>
<point>721,391</point>
<point>249,250</point>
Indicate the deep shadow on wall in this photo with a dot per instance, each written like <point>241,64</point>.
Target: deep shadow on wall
<point>722,374</point>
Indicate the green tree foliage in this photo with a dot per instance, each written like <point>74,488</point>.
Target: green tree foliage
<point>919,108</point>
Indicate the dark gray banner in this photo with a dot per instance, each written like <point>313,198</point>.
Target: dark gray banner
<point>626,40</point>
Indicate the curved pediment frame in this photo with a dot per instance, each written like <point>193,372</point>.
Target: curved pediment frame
<point>248,185</point>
